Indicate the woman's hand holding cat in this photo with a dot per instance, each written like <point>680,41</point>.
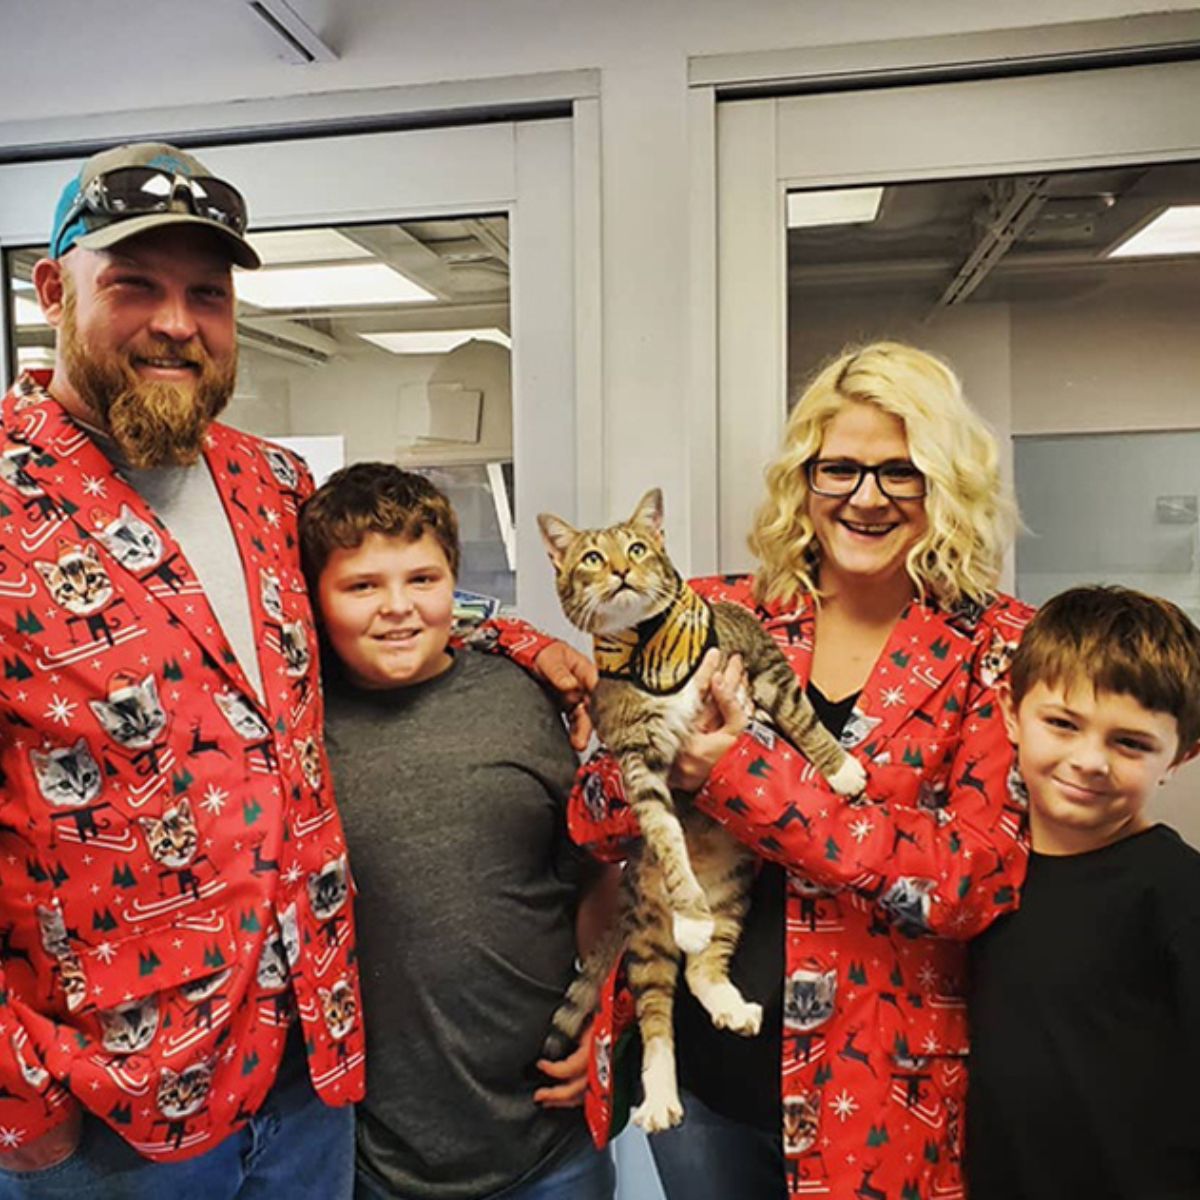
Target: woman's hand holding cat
<point>573,676</point>
<point>573,1073</point>
<point>719,724</point>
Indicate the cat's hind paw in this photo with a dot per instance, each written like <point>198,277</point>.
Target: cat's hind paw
<point>692,934</point>
<point>850,778</point>
<point>657,1113</point>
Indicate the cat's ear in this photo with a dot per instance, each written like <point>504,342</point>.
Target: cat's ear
<point>649,512</point>
<point>557,536</point>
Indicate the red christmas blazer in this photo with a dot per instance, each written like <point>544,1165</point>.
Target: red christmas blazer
<point>882,891</point>
<point>172,868</point>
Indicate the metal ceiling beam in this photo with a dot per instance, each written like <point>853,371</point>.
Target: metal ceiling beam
<point>1002,227</point>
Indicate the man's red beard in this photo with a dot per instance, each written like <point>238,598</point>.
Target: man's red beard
<point>155,424</point>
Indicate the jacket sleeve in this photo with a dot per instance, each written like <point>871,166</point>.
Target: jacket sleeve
<point>598,816</point>
<point>31,1102</point>
<point>511,637</point>
<point>939,849</point>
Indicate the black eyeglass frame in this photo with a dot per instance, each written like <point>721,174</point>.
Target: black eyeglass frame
<point>810,468</point>
<point>95,198</point>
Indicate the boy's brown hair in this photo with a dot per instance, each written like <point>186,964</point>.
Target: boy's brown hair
<point>1119,641</point>
<point>373,497</point>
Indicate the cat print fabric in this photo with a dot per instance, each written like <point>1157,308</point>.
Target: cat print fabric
<point>874,1064</point>
<point>173,879</point>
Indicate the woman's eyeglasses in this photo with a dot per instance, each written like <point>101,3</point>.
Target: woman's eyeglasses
<point>898,479</point>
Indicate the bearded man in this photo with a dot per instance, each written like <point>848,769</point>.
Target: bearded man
<point>179,1003</point>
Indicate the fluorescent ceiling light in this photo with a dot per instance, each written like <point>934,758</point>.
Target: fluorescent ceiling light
<point>328,287</point>
<point>1176,230</point>
<point>305,246</point>
<point>28,312</point>
<point>836,206</point>
<point>434,341</point>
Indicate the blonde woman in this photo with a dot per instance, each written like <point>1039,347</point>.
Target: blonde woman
<point>879,549</point>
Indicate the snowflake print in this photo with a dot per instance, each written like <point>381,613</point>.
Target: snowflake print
<point>845,1105</point>
<point>94,486</point>
<point>61,710</point>
<point>214,800</point>
<point>10,1138</point>
<point>861,830</point>
<point>892,697</point>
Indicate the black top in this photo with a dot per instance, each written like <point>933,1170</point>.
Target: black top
<point>1085,1020</point>
<point>737,1076</point>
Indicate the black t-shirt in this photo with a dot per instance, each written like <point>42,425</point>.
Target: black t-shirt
<point>1085,1021</point>
<point>737,1076</point>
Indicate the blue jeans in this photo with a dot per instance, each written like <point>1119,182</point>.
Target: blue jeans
<point>295,1146</point>
<point>588,1174</point>
<point>710,1157</point>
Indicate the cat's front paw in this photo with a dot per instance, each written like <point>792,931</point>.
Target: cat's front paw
<point>850,778</point>
<point>741,1017</point>
<point>657,1113</point>
<point>692,934</point>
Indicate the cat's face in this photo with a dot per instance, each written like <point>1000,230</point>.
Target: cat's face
<point>242,718</point>
<point>53,929</point>
<point>808,998</point>
<point>329,888</point>
<point>801,1121</point>
<point>172,838</point>
<point>131,1028</point>
<point>280,952</point>
<point>183,1093</point>
<point>67,776</point>
<point>612,579</point>
<point>908,902</point>
<point>130,540</point>
<point>339,1008</point>
<point>132,714</point>
<point>76,580</point>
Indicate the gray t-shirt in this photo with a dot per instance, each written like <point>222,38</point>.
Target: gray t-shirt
<point>452,793</point>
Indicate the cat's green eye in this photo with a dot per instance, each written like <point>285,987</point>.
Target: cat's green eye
<point>637,550</point>
<point>593,558</point>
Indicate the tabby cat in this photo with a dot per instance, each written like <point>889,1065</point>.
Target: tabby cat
<point>687,888</point>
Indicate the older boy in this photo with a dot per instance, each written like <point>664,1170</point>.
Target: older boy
<point>1085,1004</point>
<point>452,772</point>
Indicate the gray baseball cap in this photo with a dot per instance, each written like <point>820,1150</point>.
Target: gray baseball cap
<point>129,189</point>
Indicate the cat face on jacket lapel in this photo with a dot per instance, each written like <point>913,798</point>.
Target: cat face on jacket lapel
<point>387,607</point>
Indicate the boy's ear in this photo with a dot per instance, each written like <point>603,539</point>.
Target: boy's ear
<point>649,512</point>
<point>557,536</point>
<point>1008,709</point>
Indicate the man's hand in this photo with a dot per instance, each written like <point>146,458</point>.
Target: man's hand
<point>573,1073</point>
<point>573,676</point>
<point>726,713</point>
<point>53,1147</point>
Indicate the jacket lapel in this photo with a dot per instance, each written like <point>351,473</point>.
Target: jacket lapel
<point>87,499</point>
<point>915,664</point>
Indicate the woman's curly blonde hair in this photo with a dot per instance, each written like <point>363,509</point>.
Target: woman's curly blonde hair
<point>971,513</point>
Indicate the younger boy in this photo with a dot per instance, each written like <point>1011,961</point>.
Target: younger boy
<point>452,770</point>
<point>1085,1003</point>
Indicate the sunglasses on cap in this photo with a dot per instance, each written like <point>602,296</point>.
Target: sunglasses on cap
<point>136,191</point>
